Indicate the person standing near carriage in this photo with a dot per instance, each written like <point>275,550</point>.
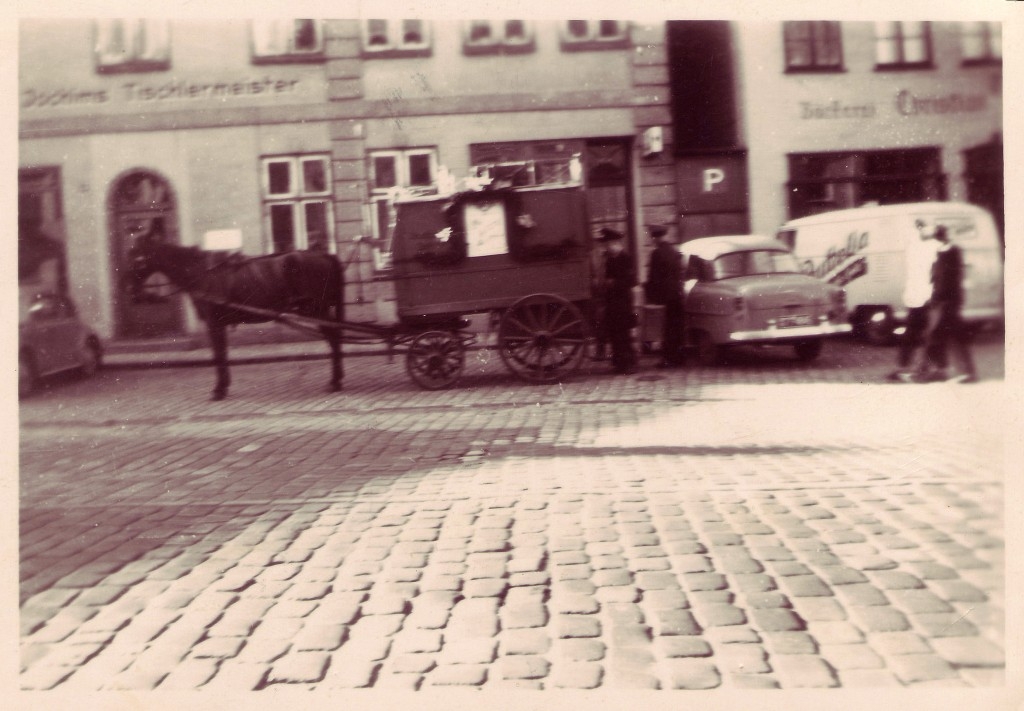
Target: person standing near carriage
<point>665,287</point>
<point>946,303</point>
<point>619,317</point>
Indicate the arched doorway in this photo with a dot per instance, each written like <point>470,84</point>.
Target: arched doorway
<point>142,203</point>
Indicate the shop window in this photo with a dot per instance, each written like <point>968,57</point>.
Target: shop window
<point>813,46</point>
<point>132,45</point>
<point>498,37</point>
<point>982,42</point>
<point>902,45</point>
<point>396,38</point>
<point>579,35</point>
<point>297,203</point>
<point>525,164</point>
<point>393,173</point>
<point>820,182</point>
<point>287,40</point>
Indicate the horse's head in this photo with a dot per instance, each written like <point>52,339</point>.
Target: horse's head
<point>141,263</point>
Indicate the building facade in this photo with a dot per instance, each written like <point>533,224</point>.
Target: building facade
<point>807,117</point>
<point>294,134</point>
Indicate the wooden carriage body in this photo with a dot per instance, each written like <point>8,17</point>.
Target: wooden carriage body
<point>482,251</point>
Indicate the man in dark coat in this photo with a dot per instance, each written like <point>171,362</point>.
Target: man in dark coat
<point>619,317</point>
<point>665,287</point>
<point>947,300</point>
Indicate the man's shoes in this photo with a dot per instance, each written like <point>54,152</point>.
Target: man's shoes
<point>966,378</point>
<point>931,376</point>
<point>896,376</point>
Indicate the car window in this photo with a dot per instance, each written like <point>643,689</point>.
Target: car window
<point>754,262</point>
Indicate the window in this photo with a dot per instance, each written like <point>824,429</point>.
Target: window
<point>522,164</point>
<point>410,171</point>
<point>396,38</point>
<point>287,40</point>
<point>132,45</point>
<point>297,203</point>
<point>819,182</point>
<point>498,36</point>
<point>594,34</point>
<point>813,46</point>
<point>982,42</point>
<point>902,44</point>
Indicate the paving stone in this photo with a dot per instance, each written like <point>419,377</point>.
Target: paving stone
<point>524,641</point>
<point>892,643</point>
<point>705,581</point>
<point>656,580</point>
<point>851,656</point>
<point>943,624</point>
<point>669,599</point>
<point>719,615</point>
<point>630,635</point>
<point>299,668</point>
<point>571,626</point>
<point>612,578</point>
<point>619,593</point>
<point>895,580</point>
<point>693,646</point>
<point>805,586</point>
<point>414,641</point>
<point>912,668</point>
<point>411,663</point>
<point>743,659</point>
<point>969,651</point>
<point>841,575</point>
<point>643,565</point>
<point>575,604</point>
<point>485,588</point>
<point>777,620</point>
<point>624,613</point>
<point>524,615</point>
<point>692,674</point>
<point>930,570</point>
<point>458,675</point>
<point>957,591</point>
<point>917,601</point>
<point>473,651</point>
<point>377,626</point>
<point>675,622</point>
<point>803,671</point>
<point>189,674</point>
<point>573,587</point>
<point>790,643</point>
<point>754,582</point>
<point>860,595</point>
<point>580,650</point>
<point>879,619</point>
<point>344,674</point>
<point>867,678</point>
<point>475,617</point>
<point>785,568</point>
<point>767,600</point>
<point>819,609</point>
<point>524,667</point>
<point>752,681</point>
<point>835,632</point>
<point>576,675</point>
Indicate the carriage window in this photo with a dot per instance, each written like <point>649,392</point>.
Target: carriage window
<point>294,220</point>
<point>395,38</point>
<point>497,36</point>
<point>132,45</point>
<point>594,34</point>
<point>410,171</point>
<point>287,40</point>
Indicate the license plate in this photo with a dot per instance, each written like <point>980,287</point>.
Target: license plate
<point>794,321</point>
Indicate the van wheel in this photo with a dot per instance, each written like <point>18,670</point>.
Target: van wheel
<point>705,349</point>
<point>808,350</point>
<point>28,375</point>
<point>876,327</point>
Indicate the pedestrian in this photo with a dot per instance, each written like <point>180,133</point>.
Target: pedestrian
<point>665,287</point>
<point>619,317</point>
<point>597,277</point>
<point>949,329</point>
<point>917,292</point>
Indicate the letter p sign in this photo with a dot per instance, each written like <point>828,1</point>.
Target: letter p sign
<point>712,177</point>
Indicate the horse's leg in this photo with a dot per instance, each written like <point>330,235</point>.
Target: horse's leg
<point>333,338</point>
<point>219,343</point>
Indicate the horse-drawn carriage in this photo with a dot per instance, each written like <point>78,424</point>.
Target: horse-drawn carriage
<point>522,255</point>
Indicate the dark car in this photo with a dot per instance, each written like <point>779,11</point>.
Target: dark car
<point>748,289</point>
<point>52,339</point>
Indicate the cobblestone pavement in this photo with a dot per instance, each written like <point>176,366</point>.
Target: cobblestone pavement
<point>762,524</point>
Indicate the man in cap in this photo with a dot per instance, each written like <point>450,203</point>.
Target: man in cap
<point>946,302</point>
<point>619,280</point>
<point>665,287</point>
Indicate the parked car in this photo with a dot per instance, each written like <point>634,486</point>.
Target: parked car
<point>862,249</point>
<point>748,289</point>
<point>52,339</point>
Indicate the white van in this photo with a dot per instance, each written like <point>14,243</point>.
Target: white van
<point>862,250</point>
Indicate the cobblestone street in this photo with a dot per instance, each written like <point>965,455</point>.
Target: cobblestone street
<point>748,526</point>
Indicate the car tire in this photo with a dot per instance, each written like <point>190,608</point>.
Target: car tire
<point>877,327</point>
<point>808,350</point>
<point>706,350</point>
<point>91,358</point>
<point>28,374</point>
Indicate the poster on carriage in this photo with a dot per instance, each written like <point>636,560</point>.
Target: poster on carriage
<point>486,231</point>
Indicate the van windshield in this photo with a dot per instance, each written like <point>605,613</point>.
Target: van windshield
<point>761,261</point>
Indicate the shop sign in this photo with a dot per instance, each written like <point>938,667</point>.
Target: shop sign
<point>907,103</point>
<point>135,92</point>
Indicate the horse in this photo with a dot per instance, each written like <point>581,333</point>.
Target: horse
<point>240,289</point>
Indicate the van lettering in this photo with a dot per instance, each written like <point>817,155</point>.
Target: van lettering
<point>838,258</point>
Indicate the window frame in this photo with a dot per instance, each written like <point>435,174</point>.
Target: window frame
<point>382,198</point>
<point>499,42</point>
<point>296,199</point>
<point>105,63</point>
<point>899,42</point>
<point>395,47</point>
<point>290,54</point>
<point>989,40</point>
<point>815,27</point>
<point>594,40</point>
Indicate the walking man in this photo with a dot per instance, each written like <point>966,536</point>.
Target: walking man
<point>665,287</point>
<point>917,293</point>
<point>619,318</point>
<point>947,301</point>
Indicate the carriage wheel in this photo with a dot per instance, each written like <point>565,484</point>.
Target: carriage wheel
<point>542,338</point>
<point>435,359</point>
